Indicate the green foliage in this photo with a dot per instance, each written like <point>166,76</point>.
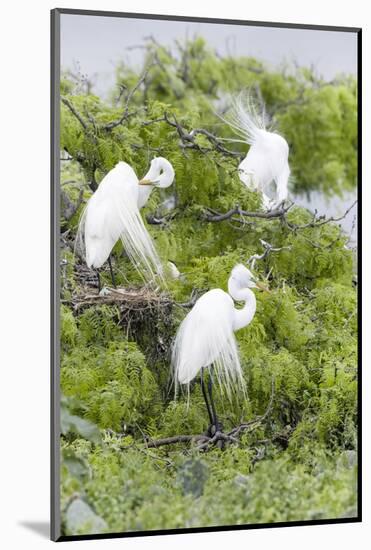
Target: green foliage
<point>130,490</point>
<point>71,423</point>
<point>114,387</point>
<point>115,372</point>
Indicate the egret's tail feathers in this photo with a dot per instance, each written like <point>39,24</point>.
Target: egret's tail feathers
<point>200,346</point>
<point>123,222</point>
<point>137,242</point>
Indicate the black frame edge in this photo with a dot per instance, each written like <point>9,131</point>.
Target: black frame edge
<point>359,268</point>
<point>195,530</point>
<point>195,19</point>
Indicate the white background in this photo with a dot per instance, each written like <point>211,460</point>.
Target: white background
<point>24,289</point>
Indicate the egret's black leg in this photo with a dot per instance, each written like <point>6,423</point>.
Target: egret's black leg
<point>215,420</point>
<point>111,271</point>
<point>98,277</point>
<point>205,396</point>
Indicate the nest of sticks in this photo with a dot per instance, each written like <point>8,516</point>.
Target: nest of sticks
<point>134,299</point>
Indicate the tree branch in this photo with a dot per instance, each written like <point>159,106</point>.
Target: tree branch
<point>153,219</point>
<point>188,138</point>
<point>206,441</point>
<point>125,114</point>
<point>195,295</point>
<point>244,426</point>
<point>74,112</point>
<point>268,248</point>
<point>152,443</point>
<point>318,221</point>
<point>271,214</point>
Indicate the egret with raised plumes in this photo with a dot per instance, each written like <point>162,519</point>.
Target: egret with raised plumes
<point>266,162</point>
<point>205,340</point>
<point>112,213</point>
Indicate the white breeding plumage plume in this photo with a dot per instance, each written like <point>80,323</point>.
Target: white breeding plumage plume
<point>205,339</point>
<point>267,158</point>
<point>112,213</point>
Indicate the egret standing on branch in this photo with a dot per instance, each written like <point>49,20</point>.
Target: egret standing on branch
<point>206,341</point>
<point>112,213</point>
<point>267,158</point>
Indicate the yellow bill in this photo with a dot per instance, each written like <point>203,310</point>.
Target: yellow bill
<point>145,182</point>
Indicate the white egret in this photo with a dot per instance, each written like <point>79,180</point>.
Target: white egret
<point>206,341</point>
<point>112,213</point>
<point>267,159</point>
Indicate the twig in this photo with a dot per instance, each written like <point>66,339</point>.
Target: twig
<point>74,112</point>
<point>271,214</point>
<point>188,138</point>
<point>195,294</point>
<point>244,426</point>
<point>152,219</point>
<point>152,443</point>
<point>218,436</point>
<point>206,441</point>
<point>215,141</point>
<point>268,248</point>
<point>133,299</point>
<point>280,212</point>
<point>125,114</point>
<point>318,222</point>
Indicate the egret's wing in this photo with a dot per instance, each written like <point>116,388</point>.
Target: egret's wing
<point>112,213</point>
<point>206,338</point>
<point>282,183</point>
<point>100,230</point>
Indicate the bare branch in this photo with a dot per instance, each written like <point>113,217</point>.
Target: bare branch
<point>125,114</point>
<point>195,295</point>
<point>74,112</point>
<point>271,214</point>
<point>188,138</point>
<point>151,443</point>
<point>280,212</point>
<point>153,219</point>
<point>244,426</point>
<point>216,142</point>
<point>268,248</point>
<point>318,221</point>
<point>206,441</point>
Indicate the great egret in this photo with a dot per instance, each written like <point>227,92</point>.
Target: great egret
<point>205,339</point>
<point>112,213</point>
<point>267,158</point>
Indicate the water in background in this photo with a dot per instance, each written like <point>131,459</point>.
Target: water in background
<point>333,207</point>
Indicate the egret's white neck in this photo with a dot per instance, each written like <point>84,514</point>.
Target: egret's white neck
<point>165,174</point>
<point>244,316</point>
<point>161,172</point>
<point>144,194</point>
